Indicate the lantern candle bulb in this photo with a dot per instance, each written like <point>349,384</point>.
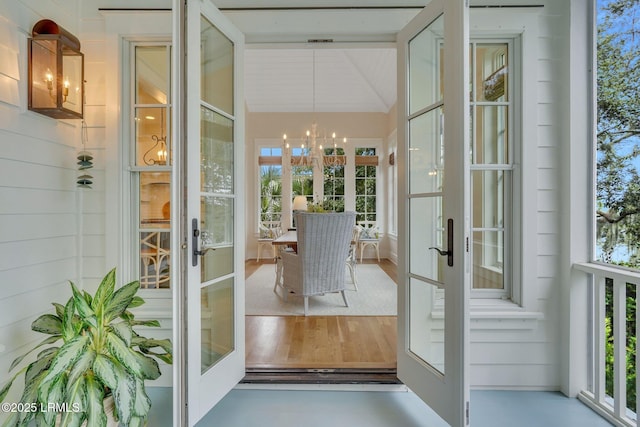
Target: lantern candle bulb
<point>48,78</point>
<point>65,89</point>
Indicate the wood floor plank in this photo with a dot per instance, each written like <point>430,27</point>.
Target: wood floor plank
<point>321,342</point>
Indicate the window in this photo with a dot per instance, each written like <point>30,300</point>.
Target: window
<point>366,182</point>
<point>342,178</point>
<point>334,179</point>
<point>301,177</point>
<point>270,162</point>
<point>491,166</point>
<point>150,162</point>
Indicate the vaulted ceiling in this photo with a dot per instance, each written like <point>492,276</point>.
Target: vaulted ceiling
<point>320,80</point>
<point>325,56</point>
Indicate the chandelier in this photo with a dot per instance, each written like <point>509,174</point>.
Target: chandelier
<point>159,144</point>
<point>313,150</point>
<point>316,149</point>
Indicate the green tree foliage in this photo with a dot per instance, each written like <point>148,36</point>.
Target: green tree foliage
<point>618,132</point>
<point>630,344</point>
<point>270,193</point>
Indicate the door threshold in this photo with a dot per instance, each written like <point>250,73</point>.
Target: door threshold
<point>321,376</point>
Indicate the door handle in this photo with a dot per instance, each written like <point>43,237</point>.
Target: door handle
<point>449,252</point>
<point>195,243</point>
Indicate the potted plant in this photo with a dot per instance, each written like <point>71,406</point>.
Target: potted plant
<point>100,357</point>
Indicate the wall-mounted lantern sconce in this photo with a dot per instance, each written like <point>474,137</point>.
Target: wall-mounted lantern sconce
<point>56,72</point>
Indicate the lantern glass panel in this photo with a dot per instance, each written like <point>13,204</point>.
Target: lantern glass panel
<point>44,74</point>
<point>72,80</point>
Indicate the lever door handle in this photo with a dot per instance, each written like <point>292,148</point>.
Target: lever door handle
<point>195,243</point>
<point>203,252</point>
<point>449,252</point>
<point>440,251</point>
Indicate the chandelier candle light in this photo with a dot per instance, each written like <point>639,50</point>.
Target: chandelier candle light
<point>312,147</point>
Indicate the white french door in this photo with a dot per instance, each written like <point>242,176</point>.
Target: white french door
<point>214,227</point>
<point>433,135</point>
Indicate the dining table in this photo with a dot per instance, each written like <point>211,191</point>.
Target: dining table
<point>288,239</point>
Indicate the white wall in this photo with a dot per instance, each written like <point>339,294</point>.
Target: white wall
<point>39,223</point>
<point>517,346</point>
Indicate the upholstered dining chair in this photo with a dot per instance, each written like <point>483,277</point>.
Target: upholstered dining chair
<point>318,267</point>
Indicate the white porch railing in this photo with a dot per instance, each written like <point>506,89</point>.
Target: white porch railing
<point>615,282</point>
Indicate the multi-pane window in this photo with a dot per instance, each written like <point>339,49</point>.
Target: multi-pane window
<point>270,162</point>
<point>366,184</point>
<point>333,172</point>
<point>151,162</point>
<point>301,177</point>
<point>491,164</point>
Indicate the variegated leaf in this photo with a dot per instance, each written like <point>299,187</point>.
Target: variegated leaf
<point>12,421</point>
<point>48,340</point>
<point>149,343</point>
<point>124,331</point>
<point>7,386</point>
<point>136,302</point>
<point>82,365</point>
<point>87,297</point>
<point>47,324</point>
<point>121,352</point>
<point>68,330</point>
<point>150,368</point>
<point>59,309</point>
<point>166,358</point>
<point>136,422</point>
<point>106,371</point>
<point>120,300</point>
<point>72,419</point>
<point>55,395</point>
<point>142,402</point>
<point>76,397</point>
<point>124,396</point>
<point>42,362</point>
<point>95,409</point>
<point>67,354</point>
<point>127,316</point>
<point>30,395</point>
<point>104,292</point>
<point>84,310</point>
<point>149,323</point>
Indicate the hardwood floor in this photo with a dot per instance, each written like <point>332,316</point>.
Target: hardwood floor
<point>321,342</point>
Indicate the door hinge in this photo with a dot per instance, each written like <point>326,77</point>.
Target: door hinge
<point>467,245</point>
<point>467,413</point>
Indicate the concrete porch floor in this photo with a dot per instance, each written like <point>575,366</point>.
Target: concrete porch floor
<point>320,408</point>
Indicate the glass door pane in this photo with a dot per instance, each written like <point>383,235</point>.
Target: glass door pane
<point>426,171</point>
<point>213,131</point>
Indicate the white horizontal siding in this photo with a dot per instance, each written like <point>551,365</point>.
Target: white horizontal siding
<point>39,222</point>
<point>524,354</point>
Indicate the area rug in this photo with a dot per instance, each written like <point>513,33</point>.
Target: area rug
<point>376,296</point>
